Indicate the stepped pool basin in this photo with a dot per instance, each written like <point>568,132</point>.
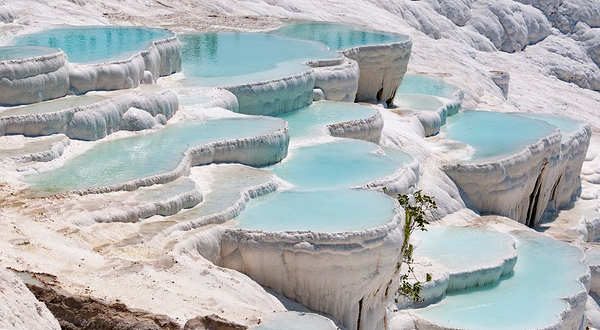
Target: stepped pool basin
<point>51,106</point>
<point>319,210</point>
<point>340,164</point>
<point>459,249</point>
<point>310,122</point>
<point>426,85</point>
<point>546,271</point>
<point>337,36</point>
<point>233,58</point>
<point>95,44</point>
<point>146,154</point>
<point>494,134</point>
<point>417,102</point>
<point>18,52</point>
<point>566,125</point>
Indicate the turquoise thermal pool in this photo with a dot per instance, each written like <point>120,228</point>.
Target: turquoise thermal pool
<point>426,85</point>
<point>232,58</point>
<point>51,106</point>
<point>15,53</point>
<point>494,134</point>
<point>319,210</point>
<point>565,124</point>
<point>340,164</point>
<point>417,102</point>
<point>337,36</point>
<point>95,44</point>
<point>546,271</point>
<point>460,249</point>
<point>146,154</point>
<point>311,121</point>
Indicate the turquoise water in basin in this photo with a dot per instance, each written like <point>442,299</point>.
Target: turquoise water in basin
<point>427,85</point>
<point>546,271</point>
<point>460,249</point>
<point>417,102</point>
<point>230,58</point>
<point>13,53</point>
<point>494,134</point>
<point>565,124</point>
<point>321,210</point>
<point>95,44</point>
<point>337,36</point>
<point>51,106</point>
<point>311,121</point>
<point>344,163</point>
<point>147,154</point>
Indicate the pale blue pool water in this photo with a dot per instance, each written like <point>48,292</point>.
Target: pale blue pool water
<point>427,85</point>
<point>295,321</point>
<point>51,106</point>
<point>311,121</point>
<point>460,249</point>
<point>95,44</point>
<point>14,53</point>
<point>146,154</point>
<point>417,102</point>
<point>337,36</point>
<point>318,210</point>
<point>565,124</point>
<point>231,58</point>
<point>546,271</point>
<point>340,164</point>
<point>494,134</point>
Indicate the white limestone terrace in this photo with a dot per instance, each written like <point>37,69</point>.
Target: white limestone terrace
<point>110,58</point>
<point>348,289</point>
<point>19,149</point>
<point>32,74</point>
<point>91,121</point>
<point>459,258</point>
<point>448,53</point>
<point>166,153</point>
<point>382,57</point>
<point>557,299</point>
<point>514,167</point>
<point>342,224</point>
<point>8,14</point>
<point>431,111</point>
<point>333,76</point>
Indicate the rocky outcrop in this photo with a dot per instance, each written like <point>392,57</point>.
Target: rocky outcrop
<point>19,309</point>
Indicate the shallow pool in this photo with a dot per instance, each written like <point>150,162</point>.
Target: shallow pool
<point>494,134</point>
<point>565,124</point>
<point>95,44</point>
<point>340,164</point>
<point>546,271</point>
<point>14,53</point>
<point>459,249</point>
<point>337,36</point>
<point>311,121</point>
<point>318,210</point>
<point>231,58</point>
<point>51,106</point>
<point>146,154</point>
<point>427,85</point>
<point>417,102</point>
